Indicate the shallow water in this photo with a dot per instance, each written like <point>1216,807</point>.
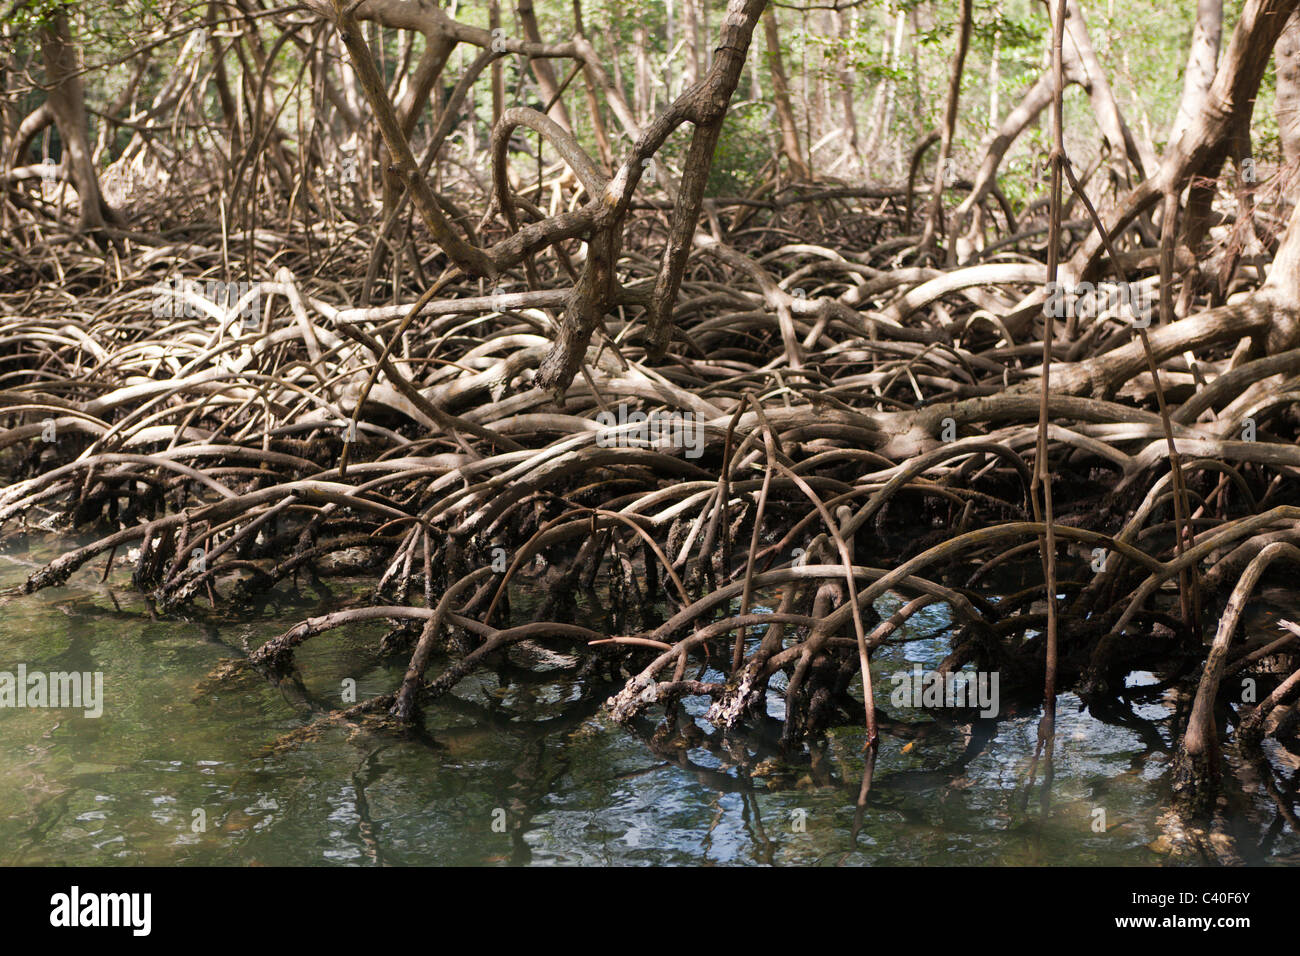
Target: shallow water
<point>183,769</point>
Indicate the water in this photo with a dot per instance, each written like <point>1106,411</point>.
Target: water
<point>183,768</point>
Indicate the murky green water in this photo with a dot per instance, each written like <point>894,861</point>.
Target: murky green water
<point>174,750</point>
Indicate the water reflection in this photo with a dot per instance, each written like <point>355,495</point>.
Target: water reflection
<point>520,767</point>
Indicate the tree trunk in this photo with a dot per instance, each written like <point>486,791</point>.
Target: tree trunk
<point>941,171</point>
<point>781,98</point>
<point>995,72</point>
<point>1202,149</point>
<point>1202,60</point>
<point>642,86</point>
<point>883,102</point>
<point>1083,67</point>
<point>542,69</point>
<point>844,77</point>
<point>1287,52</point>
<point>694,51</point>
<point>67,99</point>
<point>591,83</point>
